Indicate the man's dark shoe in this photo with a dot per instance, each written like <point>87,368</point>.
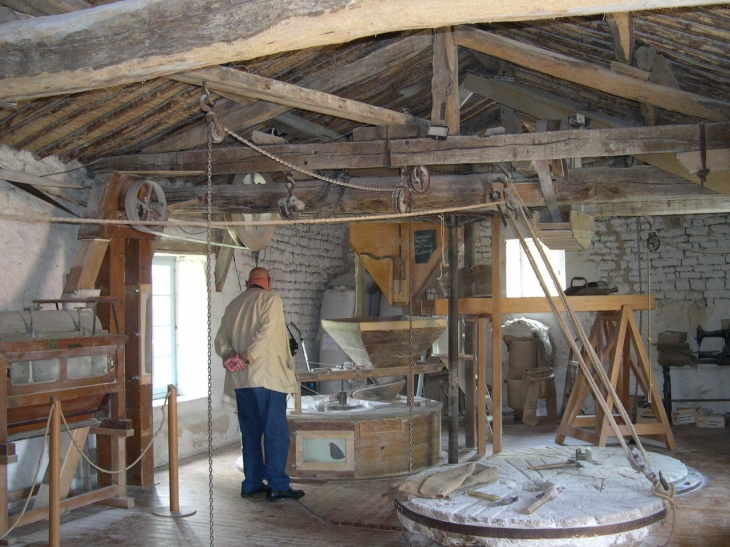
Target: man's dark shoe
<point>279,495</point>
<point>262,488</point>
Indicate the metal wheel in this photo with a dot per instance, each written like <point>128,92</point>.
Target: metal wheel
<point>145,200</point>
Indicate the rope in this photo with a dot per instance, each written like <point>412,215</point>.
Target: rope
<point>223,223</point>
<point>658,482</point>
<point>598,367</point>
<point>131,465</point>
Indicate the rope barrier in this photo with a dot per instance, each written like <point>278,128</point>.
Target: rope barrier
<point>135,462</point>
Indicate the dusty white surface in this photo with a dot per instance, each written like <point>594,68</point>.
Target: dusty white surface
<point>604,492</point>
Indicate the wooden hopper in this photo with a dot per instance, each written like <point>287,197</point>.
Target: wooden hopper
<point>378,342</point>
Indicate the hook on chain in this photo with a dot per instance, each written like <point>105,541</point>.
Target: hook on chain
<point>215,129</point>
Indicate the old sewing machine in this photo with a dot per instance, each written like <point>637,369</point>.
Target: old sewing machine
<point>721,357</point>
<point>65,356</point>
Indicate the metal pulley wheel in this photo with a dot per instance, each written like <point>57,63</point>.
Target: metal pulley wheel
<point>255,238</point>
<point>145,200</point>
<point>401,200</point>
<point>652,241</point>
<point>419,179</point>
<point>290,206</point>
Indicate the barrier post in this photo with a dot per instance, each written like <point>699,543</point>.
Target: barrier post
<point>54,476</point>
<point>174,511</point>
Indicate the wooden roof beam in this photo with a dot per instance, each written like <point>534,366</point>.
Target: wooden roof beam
<point>238,119</point>
<point>589,75</point>
<point>454,150</point>
<point>136,41</point>
<point>294,96</point>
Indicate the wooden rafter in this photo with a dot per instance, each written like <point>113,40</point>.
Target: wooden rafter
<point>581,72</point>
<point>244,116</point>
<point>294,96</point>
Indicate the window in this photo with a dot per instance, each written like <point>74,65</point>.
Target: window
<point>179,325</point>
<point>521,279</point>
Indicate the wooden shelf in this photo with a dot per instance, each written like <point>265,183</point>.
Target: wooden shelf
<point>483,305</point>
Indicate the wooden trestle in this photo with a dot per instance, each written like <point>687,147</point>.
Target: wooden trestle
<point>616,338</point>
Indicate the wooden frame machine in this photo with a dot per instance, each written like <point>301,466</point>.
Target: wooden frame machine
<point>83,370</point>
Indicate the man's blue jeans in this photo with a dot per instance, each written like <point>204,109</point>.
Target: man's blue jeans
<point>262,413</point>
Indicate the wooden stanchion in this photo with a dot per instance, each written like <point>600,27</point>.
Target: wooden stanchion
<point>54,476</point>
<point>174,511</point>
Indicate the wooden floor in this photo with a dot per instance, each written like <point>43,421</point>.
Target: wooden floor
<point>354,513</point>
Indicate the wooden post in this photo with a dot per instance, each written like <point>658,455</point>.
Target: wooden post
<point>172,450</point>
<point>496,335</point>
<point>469,349</point>
<point>482,423</point>
<point>54,476</point>
<point>453,330</point>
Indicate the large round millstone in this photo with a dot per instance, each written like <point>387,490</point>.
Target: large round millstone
<point>603,503</point>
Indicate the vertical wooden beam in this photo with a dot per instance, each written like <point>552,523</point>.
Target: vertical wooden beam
<point>621,26</point>
<point>469,349</point>
<point>453,332</point>
<point>361,297</point>
<point>445,81</point>
<point>482,423</point>
<point>496,335</point>
<point>3,439</point>
<point>138,371</point>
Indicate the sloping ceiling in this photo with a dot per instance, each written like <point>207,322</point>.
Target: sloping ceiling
<point>118,86</point>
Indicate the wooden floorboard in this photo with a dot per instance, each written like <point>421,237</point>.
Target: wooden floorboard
<point>354,512</point>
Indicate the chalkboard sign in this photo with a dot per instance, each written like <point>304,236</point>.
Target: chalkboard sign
<point>424,242</point>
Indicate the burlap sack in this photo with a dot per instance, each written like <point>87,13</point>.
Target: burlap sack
<point>522,353</point>
<point>539,399</point>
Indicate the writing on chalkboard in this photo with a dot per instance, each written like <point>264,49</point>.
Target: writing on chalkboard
<point>424,242</point>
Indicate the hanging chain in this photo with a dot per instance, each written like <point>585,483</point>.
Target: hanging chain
<point>411,376</point>
<point>210,335</point>
<point>302,170</point>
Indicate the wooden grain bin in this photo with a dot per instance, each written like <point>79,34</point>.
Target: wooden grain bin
<point>377,342</point>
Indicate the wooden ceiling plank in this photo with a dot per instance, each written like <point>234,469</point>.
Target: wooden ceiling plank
<point>135,41</point>
<point>454,150</point>
<point>587,74</point>
<point>241,118</point>
<point>293,96</point>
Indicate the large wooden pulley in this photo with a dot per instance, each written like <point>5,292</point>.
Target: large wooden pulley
<point>255,238</point>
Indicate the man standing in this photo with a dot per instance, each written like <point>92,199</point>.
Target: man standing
<point>253,343</point>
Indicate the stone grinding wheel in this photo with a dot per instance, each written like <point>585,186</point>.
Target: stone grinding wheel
<point>255,238</point>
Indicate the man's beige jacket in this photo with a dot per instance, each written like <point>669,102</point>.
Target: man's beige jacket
<point>253,326</point>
